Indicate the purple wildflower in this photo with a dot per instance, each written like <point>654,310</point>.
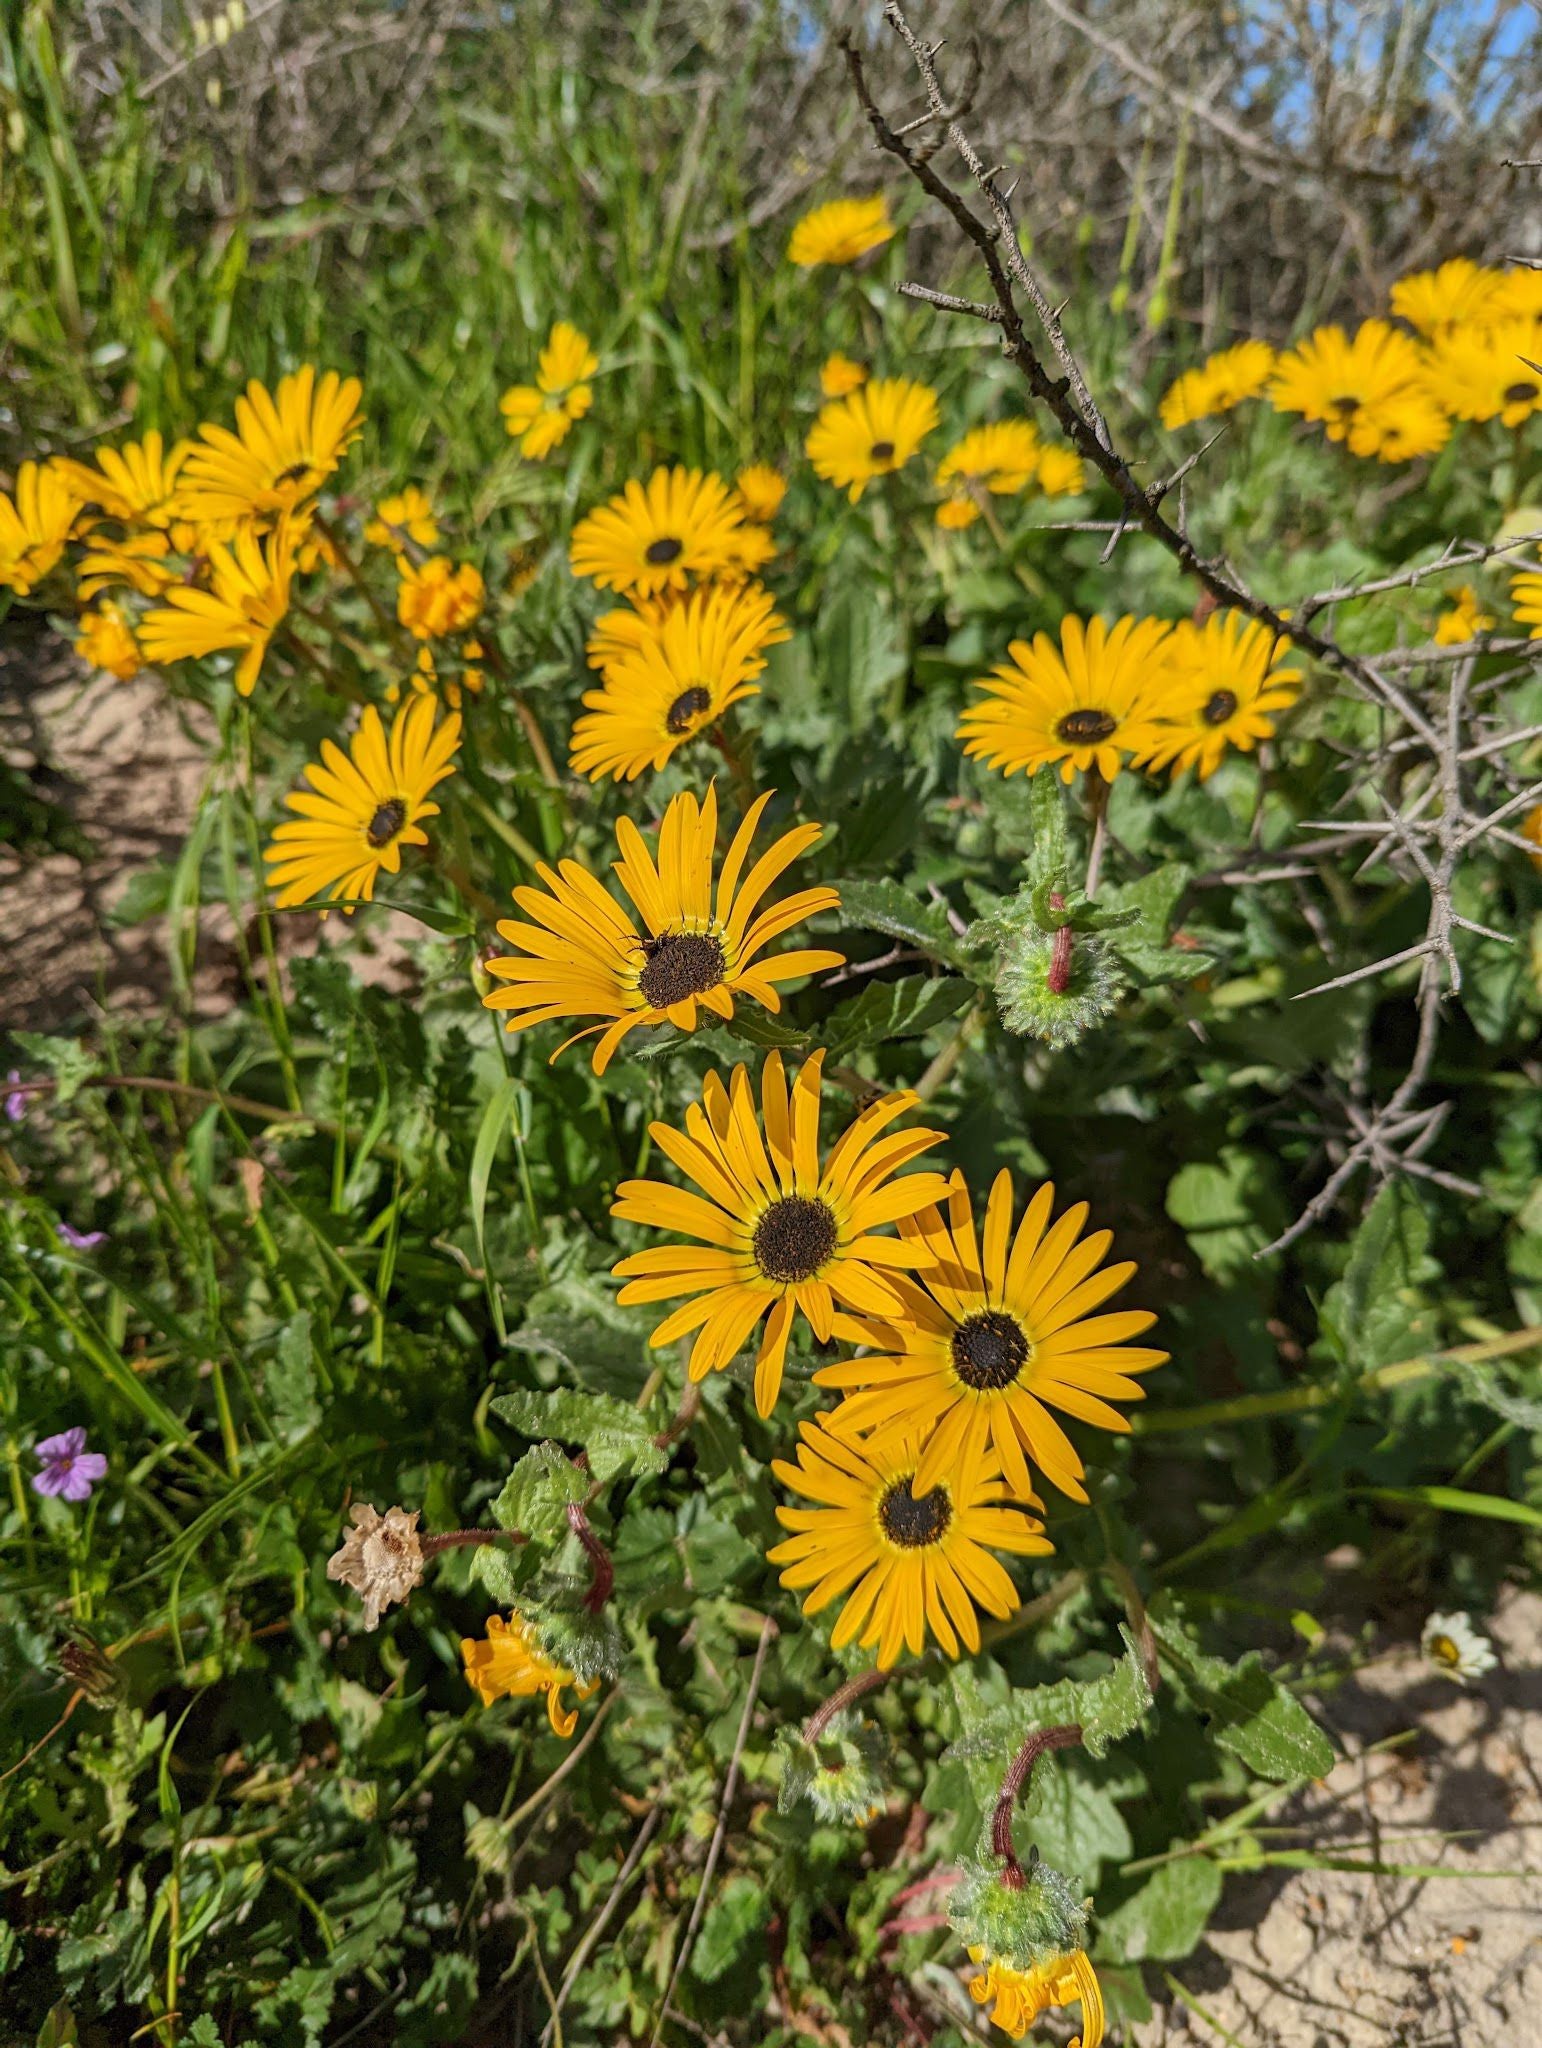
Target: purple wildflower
<point>15,1097</point>
<point>69,1469</point>
<point>80,1240</point>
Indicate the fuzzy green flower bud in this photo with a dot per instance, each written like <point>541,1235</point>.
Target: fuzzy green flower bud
<point>590,1645</point>
<point>1023,1917</point>
<point>840,1773</point>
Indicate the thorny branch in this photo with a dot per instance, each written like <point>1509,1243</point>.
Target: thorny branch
<point>1442,825</point>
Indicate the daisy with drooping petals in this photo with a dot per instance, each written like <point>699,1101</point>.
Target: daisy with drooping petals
<point>408,515</point>
<point>35,524</point>
<point>286,444</point>
<point>239,614</point>
<point>106,640</point>
<point>136,484</point>
<point>362,807</point>
<point>1464,620</point>
<point>1218,384</point>
<point>1225,680</point>
<point>761,491</point>
<point>1526,601</point>
<point>781,1231</point>
<point>1490,373</point>
<point>511,1664</point>
<point>656,536</point>
<point>995,1333</point>
<point>1457,294</point>
<point>140,561</point>
<point>540,416</point>
<point>1002,458</point>
<point>1339,381</point>
<point>912,1559</point>
<point>840,231</point>
<point>1083,704</point>
<point>584,956</point>
<point>839,375</point>
<point>438,597</point>
<point>871,433</point>
<point>684,671</point>
<point>1017,1997</point>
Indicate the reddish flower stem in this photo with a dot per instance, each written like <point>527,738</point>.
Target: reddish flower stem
<point>844,1696</point>
<point>1021,1770</point>
<point>1058,980</point>
<point>599,1559</point>
<point>467,1539</point>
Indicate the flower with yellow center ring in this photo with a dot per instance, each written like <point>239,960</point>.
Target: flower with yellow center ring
<point>583,956</point>
<point>408,515</point>
<point>1084,704</point>
<point>286,444</point>
<point>912,1560</point>
<point>995,1333</point>
<point>781,1230</point>
<point>840,231</point>
<point>438,597</point>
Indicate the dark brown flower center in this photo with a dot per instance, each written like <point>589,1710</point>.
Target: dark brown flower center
<point>680,964</point>
<point>297,473</point>
<point>1221,705</point>
<point>794,1238</point>
<point>912,1523</point>
<point>1517,394</point>
<point>882,451</point>
<point>664,550</point>
<point>989,1350</point>
<point>1086,728</point>
<point>387,822</point>
<point>1345,407</point>
<point>689,705</point>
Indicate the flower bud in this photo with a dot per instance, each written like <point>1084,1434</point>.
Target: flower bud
<point>841,1773</point>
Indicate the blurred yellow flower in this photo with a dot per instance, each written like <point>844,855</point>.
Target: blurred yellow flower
<point>1062,472</point>
<point>34,525</point>
<point>656,536</point>
<point>286,444</point>
<point>438,597</point>
<point>1019,1996</point>
<point>1531,828</point>
<point>761,491</point>
<point>240,613</point>
<point>1224,680</point>
<point>1001,458</point>
<point>1454,295</point>
<point>871,433</point>
<point>1398,428</point>
<point>540,416</point>
<point>141,562</point>
<point>1084,704</point>
<point>511,1664</point>
<point>1465,620</point>
<point>840,231</point>
<point>839,375</point>
<point>1526,600</point>
<point>136,483</point>
<point>1490,373</point>
<point>409,515</point>
<point>1354,387</point>
<point>1221,381</point>
<point>106,640</point>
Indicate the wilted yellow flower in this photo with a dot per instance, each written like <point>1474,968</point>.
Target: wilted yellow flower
<point>841,231</point>
<point>409,515</point>
<point>511,1664</point>
<point>1221,381</point>
<point>106,640</point>
<point>539,416</point>
<point>34,525</point>
<point>1019,1996</point>
<point>381,1558</point>
<point>242,611</point>
<point>761,491</point>
<point>1465,620</point>
<point>439,597</point>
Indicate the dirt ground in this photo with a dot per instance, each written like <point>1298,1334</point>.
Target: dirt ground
<point>1296,1959</point>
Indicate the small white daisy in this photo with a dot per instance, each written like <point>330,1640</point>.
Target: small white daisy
<point>1454,1646</point>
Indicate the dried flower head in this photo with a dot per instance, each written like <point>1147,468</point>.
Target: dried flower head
<point>381,1558</point>
<point>840,1773</point>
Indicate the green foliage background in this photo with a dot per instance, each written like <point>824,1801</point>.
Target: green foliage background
<point>360,1250</point>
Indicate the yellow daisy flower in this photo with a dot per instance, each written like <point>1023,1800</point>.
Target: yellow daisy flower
<point>914,1560</point>
<point>1465,619</point>
<point>655,536</point>
<point>141,561</point>
<point>1526,601</point>
<point>1224,680</point>
<point>1221,381</point>
<point>540,415</point>
<point>1002,458</point>
<point>439,597</point>
<point>1021,1995</point>
<point>1518,294</point>
<point>1456,294</point>
<point>871,433</point>
<point>1397,429</point>
<point>240,613</point>
<point>286,444</point>
<point>409,515</point>
<point>136,483</point>
<point>362,807</point>
<point>1336,380</point>
<point>106,640</point>
<point>782,1232</point>
<point>1490,373</point>
<point>840,231</point>
<point>34,525</point>
<point>839,375</point>
<point>1061,472</point>
<point>1083,704</point>
<point>584,956</point>
<point>510,1664</point>
<point>622,631</point>
<point>995,1333</point>
<point>683,672</point>
<point>761,491</point>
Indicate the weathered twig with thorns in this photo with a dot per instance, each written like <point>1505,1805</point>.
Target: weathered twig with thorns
<point>1445,823</point>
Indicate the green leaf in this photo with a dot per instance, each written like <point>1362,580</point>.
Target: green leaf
<point>1073,1823</point>
<point>1374,1313</point>
<point>886,907</point>
<point>617,1438</point>
<point>1169,1913</point>
<point>58,2028</point>
<point>740,1909</point>
<point>1250,1713</point>
<point>536,1493</point>
<point>499,1117</point>
<point>754,1027</point>
<point>1226,1209</point>
<point>887,1010</point>
<point>290,1381</point>
<point>1106,1707</point>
